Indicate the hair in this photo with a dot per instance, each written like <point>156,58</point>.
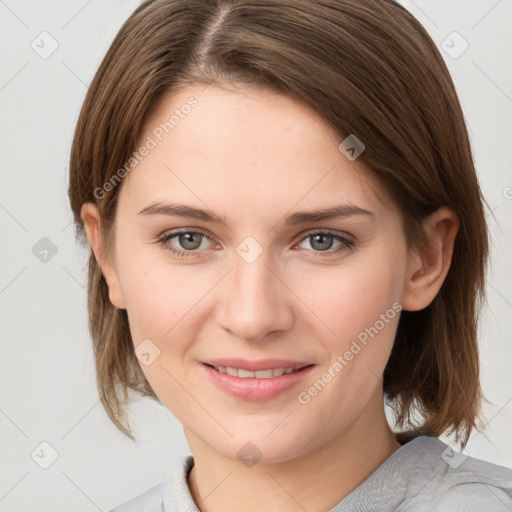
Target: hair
<point>369,68</point>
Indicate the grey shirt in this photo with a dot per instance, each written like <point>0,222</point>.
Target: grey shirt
<point>423,475</point>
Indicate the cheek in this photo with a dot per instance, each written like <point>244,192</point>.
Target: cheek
<point>349,298</point>
<point>163,304</point>
<point>359,309</point>
<point>157,294</point>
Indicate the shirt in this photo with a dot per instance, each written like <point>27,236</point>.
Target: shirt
<point>423,475</point>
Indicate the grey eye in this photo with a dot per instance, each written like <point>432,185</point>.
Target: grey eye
<point>321,242</point>
<point>190,241</point>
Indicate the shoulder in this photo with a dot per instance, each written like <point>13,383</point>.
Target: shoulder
<point>149,501</point>
<point>457,482</point>
<point>478,483</point>
<point>171,493</point>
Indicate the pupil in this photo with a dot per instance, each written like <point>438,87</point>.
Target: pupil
<point>188,238</point>
<point>320,237</point>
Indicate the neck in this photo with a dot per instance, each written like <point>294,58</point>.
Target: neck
<point>332,470</point>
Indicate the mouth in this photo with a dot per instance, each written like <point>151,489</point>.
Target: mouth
<point>257,385</point>
<point>257,374</point>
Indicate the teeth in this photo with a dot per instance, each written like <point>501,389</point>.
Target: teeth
<point>260,374</point>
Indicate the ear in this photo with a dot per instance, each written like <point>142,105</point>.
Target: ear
<point>91,217</point>
<point>426,271</point>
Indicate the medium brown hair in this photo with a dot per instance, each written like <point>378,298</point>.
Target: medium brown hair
<point>369,68</point>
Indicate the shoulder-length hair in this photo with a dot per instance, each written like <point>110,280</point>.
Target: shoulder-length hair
<point>368,68</point>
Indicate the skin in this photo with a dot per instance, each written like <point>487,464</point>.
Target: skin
<point>254,157</point>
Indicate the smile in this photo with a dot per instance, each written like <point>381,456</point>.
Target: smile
<point>260,374</point>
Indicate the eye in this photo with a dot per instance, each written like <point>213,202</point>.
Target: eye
<point>322,242</point>
<point>191,242</point>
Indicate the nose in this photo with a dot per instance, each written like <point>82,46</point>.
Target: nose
<point>256,300</point>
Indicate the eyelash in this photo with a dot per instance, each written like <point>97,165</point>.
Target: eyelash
<point>347,244</point>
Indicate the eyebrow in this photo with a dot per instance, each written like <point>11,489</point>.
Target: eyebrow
<point>181,210</point>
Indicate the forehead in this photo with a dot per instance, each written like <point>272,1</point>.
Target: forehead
<point>243,149</point>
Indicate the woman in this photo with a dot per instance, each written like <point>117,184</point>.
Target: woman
<point>286,231</point>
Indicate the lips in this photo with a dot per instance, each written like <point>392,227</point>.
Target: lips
<point>256,389</point>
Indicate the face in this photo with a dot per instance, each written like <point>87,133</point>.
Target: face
<point>264,283</point>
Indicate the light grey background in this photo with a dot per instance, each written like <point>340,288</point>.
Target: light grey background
<point>47,387</point>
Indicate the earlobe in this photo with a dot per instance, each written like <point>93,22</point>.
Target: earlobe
<point>91,217</point>
<point>426,271</point>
